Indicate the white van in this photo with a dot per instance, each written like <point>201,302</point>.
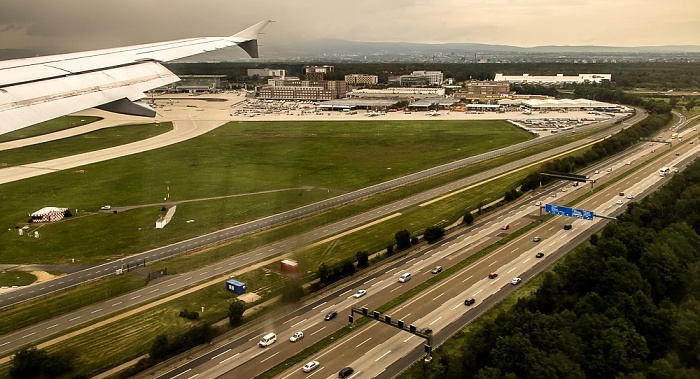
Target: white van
<point>405,277</point>
<point>268,339</point>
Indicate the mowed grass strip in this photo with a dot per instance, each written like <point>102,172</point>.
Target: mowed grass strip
<point>92,141</point>
<point>237,158</point>
<point>34,311</point>
<point>46,127</point>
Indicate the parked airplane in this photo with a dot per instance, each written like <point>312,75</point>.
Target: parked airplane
<point>433,113</point>
<point>37,89</point>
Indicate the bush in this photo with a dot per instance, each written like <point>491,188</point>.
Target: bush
<point>390,250</point>
<point>403,239</point>
<point>189,315</point>
<point>235,312</point>
<point>433,233</point>
<point>362,259</point>
<point>468,218</point>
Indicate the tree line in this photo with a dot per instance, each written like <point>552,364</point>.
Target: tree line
<point>626,75</point>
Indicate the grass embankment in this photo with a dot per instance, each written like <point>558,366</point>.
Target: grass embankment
<point>16,278</point>
<point>233,159</point>
<point>55,125</point>
<point>92,141</point>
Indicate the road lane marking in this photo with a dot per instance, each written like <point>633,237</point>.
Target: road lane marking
<point>97,310</point>
<point>298,323</point>
<point>270,357</point>
<point>493,263</point>
<point>478,292</point>
<point>363,342</point>
<point>52,326</point>
<point>383,355</point>
<point>218,355</point>
<point>434,321</point>
<point>319,305</point>
<point>231,357</point>
<point>467,279</point>
<point>317,331</point>
<point>181,373</point>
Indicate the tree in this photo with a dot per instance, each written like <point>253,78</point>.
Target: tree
<point>362,259</point>
<point>27,363</point>
<point>324,273</point>
<point>160,348</point>
<point>235,312</point>
<point>468,218</point>
<point>690,105</point>
<point>390,250</point>
<point>403,239</point>
<point>347,268</point>
<point>433,233</point>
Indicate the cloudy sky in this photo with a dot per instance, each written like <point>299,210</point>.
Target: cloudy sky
<point>53,26</point>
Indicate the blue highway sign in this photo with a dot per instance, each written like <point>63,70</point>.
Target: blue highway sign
<point>561,210</point>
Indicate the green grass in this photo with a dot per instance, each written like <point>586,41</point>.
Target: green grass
<point>34,311</point>
<point>61,123</point>
<point>16,278</point>
<point>93,141</point>
<point>236,158</point>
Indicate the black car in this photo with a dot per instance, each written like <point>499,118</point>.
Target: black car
<point>539,255</point>
<point>331,315</point>
<point>469,302</point>
<point>345,372</point>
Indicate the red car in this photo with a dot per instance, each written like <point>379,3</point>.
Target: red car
<point>492,275</point>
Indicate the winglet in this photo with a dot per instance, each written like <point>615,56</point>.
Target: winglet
<point>251,36</point>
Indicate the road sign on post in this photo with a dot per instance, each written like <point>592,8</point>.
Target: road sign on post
<point>561,210</point>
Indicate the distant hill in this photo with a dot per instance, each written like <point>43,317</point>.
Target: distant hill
<point>337,46</point>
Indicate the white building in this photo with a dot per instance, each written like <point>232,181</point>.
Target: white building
<point>48,214</point>
<point>361,79</point>
<point>556,79</point>
<point>434,77</point>
<point>268,72</point>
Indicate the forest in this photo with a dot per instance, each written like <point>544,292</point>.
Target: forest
<point>658,76</point>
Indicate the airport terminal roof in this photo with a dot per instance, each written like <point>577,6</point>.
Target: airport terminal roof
<point>356,103</point>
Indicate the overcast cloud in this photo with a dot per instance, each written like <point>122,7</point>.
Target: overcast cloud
<point>50,26</point>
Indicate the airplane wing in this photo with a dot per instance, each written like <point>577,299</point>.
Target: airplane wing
<point>37,89</point>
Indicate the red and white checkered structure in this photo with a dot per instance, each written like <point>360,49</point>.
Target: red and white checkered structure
<point>48,214</point>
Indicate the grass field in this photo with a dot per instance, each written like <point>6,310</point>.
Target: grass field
<point>97,140</point>
<point>237,158</point>
<point>16,278</point>
<point>65,122</point>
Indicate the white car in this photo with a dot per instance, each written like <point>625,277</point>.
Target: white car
<point>359,294</point>
<point>619,202</point>
<point>536,239</point>
<point>515,281</point>
<point>296,337</point>
<point>629,196</point>
<point>539,203</point>
<point>105,207</point>
<point>310,366</point>
<point>597,172</point>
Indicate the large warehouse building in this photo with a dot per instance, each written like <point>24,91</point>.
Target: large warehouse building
<point>552,79</point>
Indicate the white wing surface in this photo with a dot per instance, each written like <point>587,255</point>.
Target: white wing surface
<point>37,89</point>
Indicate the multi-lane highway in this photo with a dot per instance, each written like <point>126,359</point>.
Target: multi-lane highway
<point>375,347</point>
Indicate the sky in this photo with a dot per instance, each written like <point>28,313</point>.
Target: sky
<point>52,26</point>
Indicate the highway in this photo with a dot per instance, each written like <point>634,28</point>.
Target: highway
<point>30,292</point>
<point>442,305</point>
<point>219,271</point>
